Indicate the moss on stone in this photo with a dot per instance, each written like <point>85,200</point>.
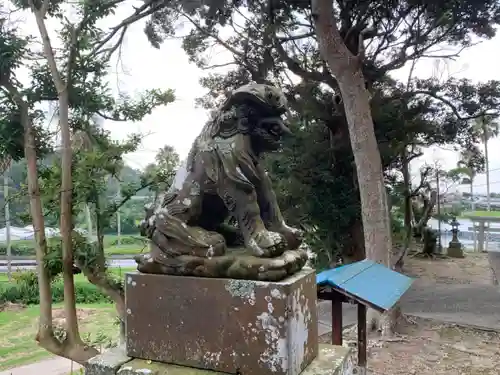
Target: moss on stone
<point>455,252</point>
<point>142,367</point>
<point>331,360</point>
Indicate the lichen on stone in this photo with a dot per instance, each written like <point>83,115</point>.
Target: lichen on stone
<point>242,289</point>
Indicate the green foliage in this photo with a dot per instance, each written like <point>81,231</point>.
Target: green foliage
<point>25,286</point>
<point>315,176</point>
<point>26,279</point>
<point>26,292</point>
<point>163,171</point>
<point>91,100</point>
<point>97,158</point>
<point>311,193</point>
<point>131,211</point>
<point>13,49</point>
<point>26,247</point>
<point>100,340</point>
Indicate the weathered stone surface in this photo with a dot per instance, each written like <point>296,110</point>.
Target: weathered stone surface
<point>143,367</point>
<point>332,360</point>
<point>455,250</point>
<point>227,325</point>
<point>107,363</point>
<point>223,178</point>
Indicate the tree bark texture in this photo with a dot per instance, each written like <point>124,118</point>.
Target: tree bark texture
<point>73,347</point>
<point>347,70</point>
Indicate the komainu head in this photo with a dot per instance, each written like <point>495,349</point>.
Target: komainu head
<point>257,110</point>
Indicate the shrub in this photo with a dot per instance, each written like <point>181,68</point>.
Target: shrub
<point>19,248</point>
<point>24,290</point>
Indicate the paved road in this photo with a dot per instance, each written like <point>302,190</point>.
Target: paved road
<point>475,305</point>
<point>53,366</point>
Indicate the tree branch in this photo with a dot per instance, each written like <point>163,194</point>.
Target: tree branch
<point>109,212</point>
<point>139,13</point>
<point>219,65</point>
<point>296,37</point>
<point>238,56</point>
<point>450,105</point>
<point>47,45</point>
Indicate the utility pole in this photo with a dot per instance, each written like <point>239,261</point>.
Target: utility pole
<point>440,245</point>
<point>118,217</point>
<point>487,162</point>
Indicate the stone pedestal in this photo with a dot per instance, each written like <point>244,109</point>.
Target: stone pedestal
<point>455,250</point>
<point>331,360</point>
<point>226,325</point>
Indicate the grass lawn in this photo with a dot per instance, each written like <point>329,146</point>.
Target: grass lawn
<point>18,330</point>
<point>482,213</point>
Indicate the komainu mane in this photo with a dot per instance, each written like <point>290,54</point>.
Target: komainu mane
<point>223,181</point>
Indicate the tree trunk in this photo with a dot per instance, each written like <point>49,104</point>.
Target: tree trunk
<point>73,347</point>
<point>97,274</point>
<point>66,221</point>
<point>407,198</point>
<point>374,209</point>
<point>354,249</point>
<point>347,70</point>
<point>45,335</point>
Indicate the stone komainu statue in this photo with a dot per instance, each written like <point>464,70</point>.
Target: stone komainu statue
<point>222,181</point>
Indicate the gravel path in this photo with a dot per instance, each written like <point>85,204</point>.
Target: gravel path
<point>54,366</point>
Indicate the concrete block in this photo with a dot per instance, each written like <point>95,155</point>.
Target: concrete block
<point>331,360</point>
<point>108,362</point>
<point>226,325</point>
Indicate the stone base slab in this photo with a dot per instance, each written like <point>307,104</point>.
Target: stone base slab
<point>455,250</point>
<point>226,325</point>
<point>331,360</point>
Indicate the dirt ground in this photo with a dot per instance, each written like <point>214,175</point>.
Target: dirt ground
<point>473,269</point>
<point>8,306</point>
<point>427,348</point>
<point>424,347</point>
<point>59,317</point>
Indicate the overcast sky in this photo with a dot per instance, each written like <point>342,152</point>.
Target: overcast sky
<point>142,67</point>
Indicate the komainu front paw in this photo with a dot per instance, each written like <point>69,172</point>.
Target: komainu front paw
<point>266,269</point>
<point>267,244</point>
<point>293,236</point>
<point>288,263</point>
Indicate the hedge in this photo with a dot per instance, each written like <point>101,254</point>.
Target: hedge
<point>25,291</point>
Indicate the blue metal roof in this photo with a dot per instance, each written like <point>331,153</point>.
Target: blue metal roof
<point>367,282</point>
